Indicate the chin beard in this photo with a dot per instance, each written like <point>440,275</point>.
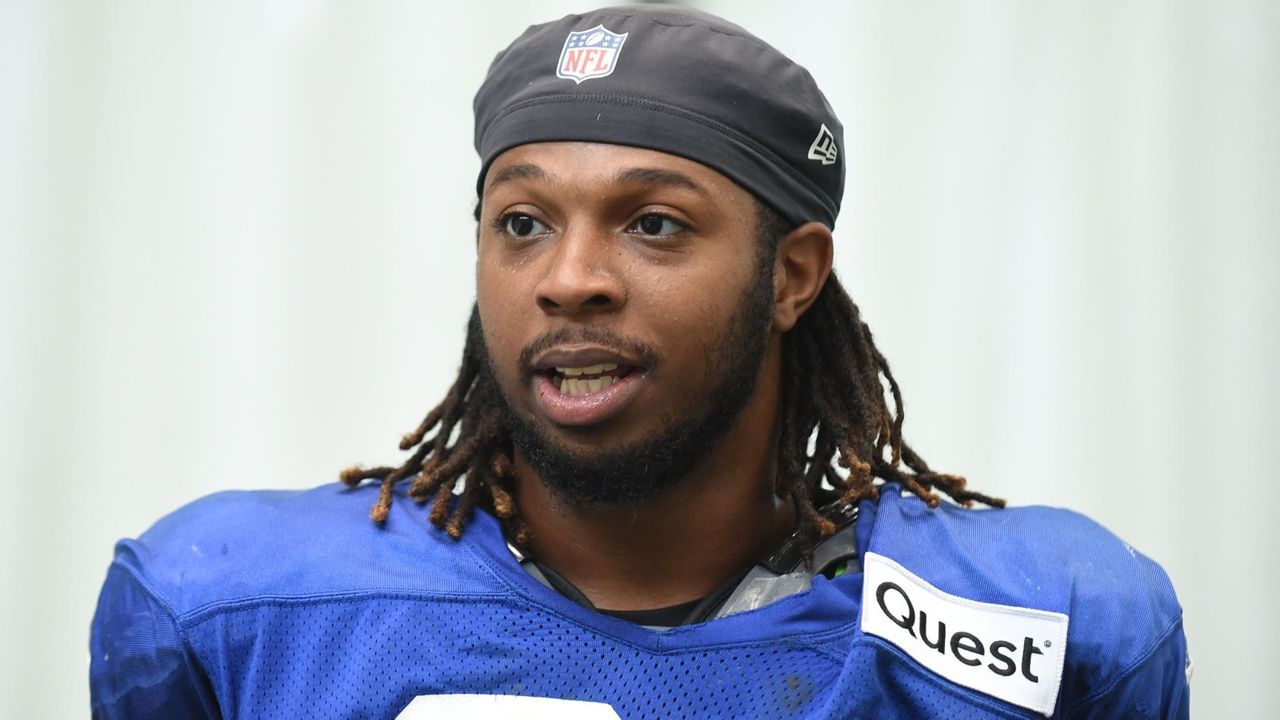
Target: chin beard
<point>630,473</point>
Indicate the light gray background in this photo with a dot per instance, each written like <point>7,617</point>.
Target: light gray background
<point>236,252</point>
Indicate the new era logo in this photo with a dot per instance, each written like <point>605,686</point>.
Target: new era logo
<point>590,54</point>
<point>824,147</point>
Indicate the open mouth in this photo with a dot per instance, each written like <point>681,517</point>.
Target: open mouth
<point>578,381</point>
<point>585,395</point>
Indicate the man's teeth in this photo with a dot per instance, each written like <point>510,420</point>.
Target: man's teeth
<point>588,370</point>
<point>573,382</point>
<point>575,386</point>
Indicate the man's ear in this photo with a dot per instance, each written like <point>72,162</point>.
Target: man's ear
<point>800,269</point>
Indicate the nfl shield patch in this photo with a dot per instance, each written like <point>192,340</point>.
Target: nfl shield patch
<point>590,54</point>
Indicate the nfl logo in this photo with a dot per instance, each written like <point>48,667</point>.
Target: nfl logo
<point>590,54</point>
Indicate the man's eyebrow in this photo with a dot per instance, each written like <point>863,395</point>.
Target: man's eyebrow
<point>523,171</point>
<point>630,176</point>
<point>655,176</point>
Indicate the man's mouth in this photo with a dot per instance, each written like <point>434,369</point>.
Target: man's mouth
<point>577,381</point>
<point>578,387</point>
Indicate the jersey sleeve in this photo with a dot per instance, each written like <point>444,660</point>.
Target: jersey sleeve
<point>140,665</point>
<point>1157,687</point>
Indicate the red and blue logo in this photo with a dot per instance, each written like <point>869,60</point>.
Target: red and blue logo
<point>590,54</point>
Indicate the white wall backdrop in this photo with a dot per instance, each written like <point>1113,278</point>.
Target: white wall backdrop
<point>236,252</point>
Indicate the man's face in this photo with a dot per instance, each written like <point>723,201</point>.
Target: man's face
<point>625,310</point>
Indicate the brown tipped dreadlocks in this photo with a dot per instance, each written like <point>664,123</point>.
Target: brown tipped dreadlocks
<point>832,386</point>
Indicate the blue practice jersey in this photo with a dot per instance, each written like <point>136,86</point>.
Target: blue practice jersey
<point>275,605</point>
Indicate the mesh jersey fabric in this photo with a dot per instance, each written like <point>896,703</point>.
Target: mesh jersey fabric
<point>293,604</point>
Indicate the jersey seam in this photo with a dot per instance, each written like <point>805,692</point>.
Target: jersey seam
<point>151,590</point>
<point>1165,637</point>
<point>817,646</point>
<point>207,610</point>
<point>179,626</point>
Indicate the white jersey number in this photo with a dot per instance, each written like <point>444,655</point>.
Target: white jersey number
<point>483,707</point>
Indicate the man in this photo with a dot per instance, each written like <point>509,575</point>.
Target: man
<point>666,482</point>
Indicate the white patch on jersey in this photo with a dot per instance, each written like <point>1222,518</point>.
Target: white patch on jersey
<point>824,147</point>
<point>1011,653</point>
<point>487,707</point>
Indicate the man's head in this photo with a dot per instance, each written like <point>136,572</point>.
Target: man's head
<point>647,272</point>
<point>653,256</point>
<point>620,150</point>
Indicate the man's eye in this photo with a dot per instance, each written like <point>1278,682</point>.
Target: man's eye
<point>657,225</point>
<point>520,225</point>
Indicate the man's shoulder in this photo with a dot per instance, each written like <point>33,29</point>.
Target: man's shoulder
<point>1117,606</point>
<point>258,546</point>
<point>1020,555</point>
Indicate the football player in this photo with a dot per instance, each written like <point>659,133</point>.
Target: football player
<point>670,479</point>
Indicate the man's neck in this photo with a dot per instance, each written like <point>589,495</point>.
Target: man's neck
<point>670,549</point>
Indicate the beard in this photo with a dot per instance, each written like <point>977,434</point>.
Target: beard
<point>633,472</point>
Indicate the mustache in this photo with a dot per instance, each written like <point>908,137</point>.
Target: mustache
<point>607,339</point>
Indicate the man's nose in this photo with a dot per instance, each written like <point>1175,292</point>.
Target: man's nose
<point>582,275</point>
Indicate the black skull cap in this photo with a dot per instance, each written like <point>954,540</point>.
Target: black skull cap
<point>676,80</point>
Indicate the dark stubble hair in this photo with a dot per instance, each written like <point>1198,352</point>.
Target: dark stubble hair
<point>633,472</point>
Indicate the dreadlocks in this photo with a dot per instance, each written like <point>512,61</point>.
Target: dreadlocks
<point>833,400</point>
